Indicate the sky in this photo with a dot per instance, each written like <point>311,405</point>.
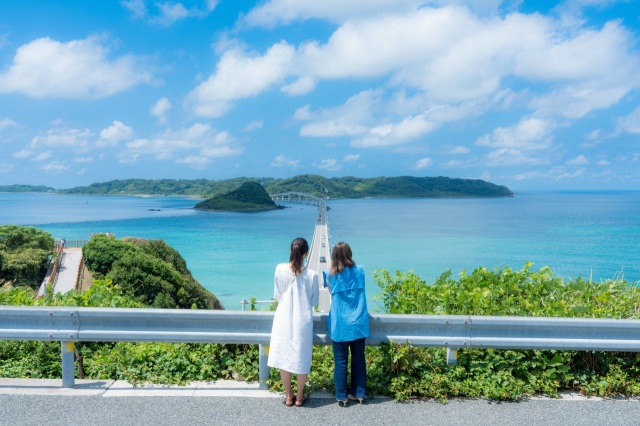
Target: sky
<point>527,94</point>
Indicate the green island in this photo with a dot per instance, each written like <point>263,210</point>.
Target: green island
<point>342,187</point>
<point>396,369</point>
<point>26,188</point>
<point>249,197</point>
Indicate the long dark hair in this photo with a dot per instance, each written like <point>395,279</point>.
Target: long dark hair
<point>299,247</point>
<point>341,258</point>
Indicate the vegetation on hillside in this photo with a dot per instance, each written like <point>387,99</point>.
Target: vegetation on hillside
<point>251,196</point>
<point>148,271</point>
<point>343,187</point>
<point>25,252</point>
<point>26,188</point>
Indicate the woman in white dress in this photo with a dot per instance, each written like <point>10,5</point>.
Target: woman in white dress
<point>296,289</point>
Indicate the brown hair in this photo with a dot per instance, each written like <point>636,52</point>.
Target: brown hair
<point>299,248</point>
<point>341,258</point>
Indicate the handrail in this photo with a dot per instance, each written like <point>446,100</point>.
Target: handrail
<point>56,265</point>
<point>80,274</point>
<point>68,325</point>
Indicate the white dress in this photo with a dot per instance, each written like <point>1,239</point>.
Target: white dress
<point>292,331</point>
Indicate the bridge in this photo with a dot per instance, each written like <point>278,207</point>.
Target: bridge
<point>319,258</point>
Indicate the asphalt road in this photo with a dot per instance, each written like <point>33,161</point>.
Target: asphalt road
<point>85,410</point>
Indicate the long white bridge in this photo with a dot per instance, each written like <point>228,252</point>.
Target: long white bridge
<point>319,258</point>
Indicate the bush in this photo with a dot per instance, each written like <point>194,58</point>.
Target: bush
<point>505,374</point>
<point>149,271</point>
<point>24,254</point>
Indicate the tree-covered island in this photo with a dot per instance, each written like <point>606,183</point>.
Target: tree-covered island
<point>337,187</point>
<point>250,197</point>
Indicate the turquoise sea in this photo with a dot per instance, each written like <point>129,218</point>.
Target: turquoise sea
<point>576,233</point>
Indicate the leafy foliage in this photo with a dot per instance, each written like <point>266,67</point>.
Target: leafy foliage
<point>508,292</point>
<point>135,362</point>
<point>24,254</point>
<point>505,374</point>
<point>148,271</point>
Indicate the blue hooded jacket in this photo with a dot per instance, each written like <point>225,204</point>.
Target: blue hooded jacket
<point>348,316</point>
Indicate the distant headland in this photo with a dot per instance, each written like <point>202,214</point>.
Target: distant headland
<point>337,187</point>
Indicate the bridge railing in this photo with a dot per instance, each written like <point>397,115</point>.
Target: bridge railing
<point>69,325</point>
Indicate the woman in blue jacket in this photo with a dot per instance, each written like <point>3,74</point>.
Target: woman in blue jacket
<point>348,324</point>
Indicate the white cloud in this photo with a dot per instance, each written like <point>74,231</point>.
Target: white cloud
<point>457,150</point>
<point>527,142</point>
<point>42,156</point>
<point>55,167</point>
<point>350,158</point>
<point>422,163</point>
<point>166,13</point>
<point>239,76</point>
<point>6,168</point>
<point>194,161</point>
<point>6,123</point>
<point>160,108</point>
<point>580,160</point>
<point>114,134</point>
<point>137,7</point>
<point>254,125</point>
<point>349,119</point>
<point>83,160</point>
<point>79,69</point>
<point>300,86</point>
<point>572,175</point>
<point>330,164</point>
<point>282,161</point>
<point>198,140</point>
<point>395,134</point>
<point>275,12</point>
<point>170,13</point>
<point>529,133</point>
<point>630,123</point>
<point>457,55</point>
<point>59,138</point>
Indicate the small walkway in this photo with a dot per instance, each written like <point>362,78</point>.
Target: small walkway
<point>68,272</point>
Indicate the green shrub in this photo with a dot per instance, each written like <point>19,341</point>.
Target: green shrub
<point>24,254</point>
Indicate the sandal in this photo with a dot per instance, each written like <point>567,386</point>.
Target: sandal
<point>290,401</point>
<point>300,402</point>
<point>355,398</point>
<point>342,402</point>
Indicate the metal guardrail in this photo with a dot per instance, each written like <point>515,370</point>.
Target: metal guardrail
<point>69,325</point>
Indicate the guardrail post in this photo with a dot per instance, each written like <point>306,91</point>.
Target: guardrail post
<point>452,356</point>
<point>68,368</point>
<point>263,369</point>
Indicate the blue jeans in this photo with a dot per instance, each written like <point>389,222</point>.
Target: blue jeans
<point>358,369</point>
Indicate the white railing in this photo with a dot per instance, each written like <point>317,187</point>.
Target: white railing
<point>69,325</point>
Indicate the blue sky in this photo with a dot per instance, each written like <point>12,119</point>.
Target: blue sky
<point>528,94</point>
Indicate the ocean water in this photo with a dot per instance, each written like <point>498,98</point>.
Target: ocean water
<point>576,234</point>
